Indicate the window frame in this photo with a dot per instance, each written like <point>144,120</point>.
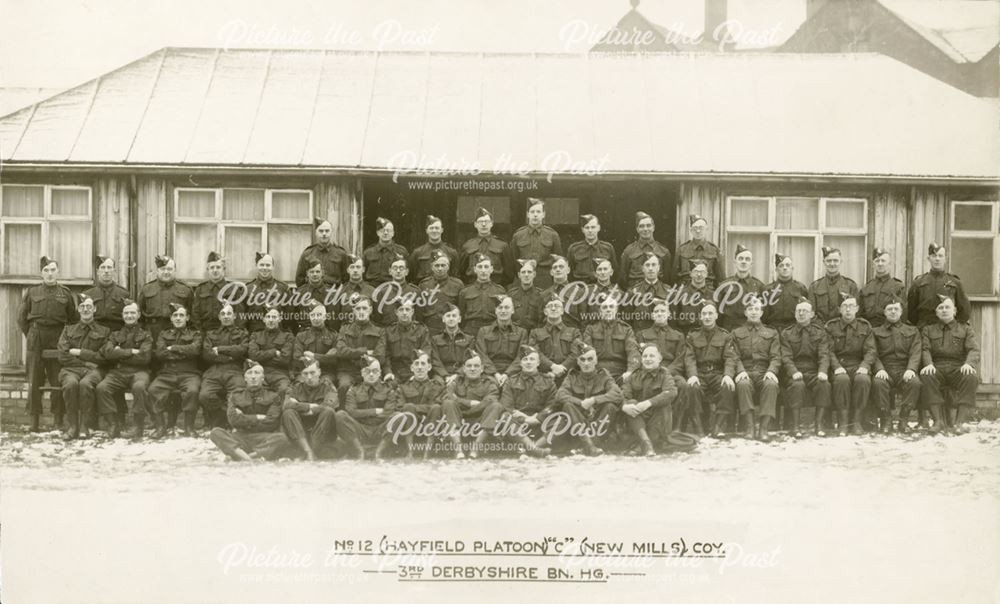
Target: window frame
<point>993,233</point>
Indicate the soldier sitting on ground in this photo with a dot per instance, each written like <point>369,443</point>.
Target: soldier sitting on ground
<point>370,404</point>
<point>253,413</point>
<point>308,414</point>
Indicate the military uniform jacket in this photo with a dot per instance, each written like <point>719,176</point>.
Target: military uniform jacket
<point>710,351</point>
<point>186,345</point>
<point>308,292</point>
<point>955,343</point>
<point>356,339</point>
<point>615,343</point>
<point>347,289</point>
<point>206,305</point>
<point>780,313</point>
<point>156,296</point>
<point>632,260</point>
<point>704,250</point>
<point>499,347</point>
<point>476,302</point>
<point>672,346</point>
<point>851,343</point>
<point>378,258</point>
<point>573,295</point>
<point>805,349</point>
<point>232,343</point>
<point>498,251</point>
<point>685,307</point>
<point>527,305</point>
<point>301,395</point>
<point>923,297</point>
<point>420,260</point>
<point>89,338</point>
<point>363,401</point>
<point>108,303</point>
<point>422,394</point>
<point>47,305</point>
<point>897,345</point>
<point>244,405</point>
<point>655,385</point>
<point>265,345</point>
<point>120,343</point>
<point>537,243</point>
<point>332,257</point>
<point>596,295</point>
<point>825,295</point>
<point>258,293</point>
<point>449,351</point>
<point>389,295</point>
<point>447,291</point>
<point>642,294</point>
<point>757,348</point>
<point>402,340</point>
<point>876,294</point>
<point>529,393</point>
<point>463,390</point>
<point>555,345</point>
<point>318,340</point>
<point>732,315</point>
<point>597,384</point>
<point>581,259</point>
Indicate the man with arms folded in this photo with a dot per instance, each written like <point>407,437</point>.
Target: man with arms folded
<point>590,397</point>
<point>224,349</point>
<point>177,349</point>
<point>421,397</point>
<point>309,412</point>
<point>272,348</point>
<point>472,397</point>
<point>528,398</point>
<point>254,414</point>
<point>80,357</point>
<point>366,414</point>
<point>499,342</point>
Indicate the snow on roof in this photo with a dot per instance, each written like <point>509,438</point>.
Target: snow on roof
<point>965,30</point>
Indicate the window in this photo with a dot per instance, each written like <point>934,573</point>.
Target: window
<point>799,227</point>
<point>238,223</point>
<point>46,220</point>
<point>973,252</point>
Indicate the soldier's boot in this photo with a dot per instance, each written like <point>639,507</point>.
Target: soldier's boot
<point>647,443</point>
<point>903,427</point>
<point>477,445</point>
<point>189,423</point>
<point>456,444</point>
<point>842,422</point>
<point>429,446</point>
<point>793,417</point>
<point>408,439</point>
<point>358,449</point>
<point>713,422</point>
<point>160,425</point>
<point>114,428</point>
<point>750,421</point>
<point>696,426</point>
<point>121,417</point>
<point>589,448</point>
<point>84,423</point>
<point>136,432</point>
<point>58,420</point>
<point>380,449</point>
<point>73,427</point>
<point>170,420</point>
<point>307,449</point>
<point>936,415</point>
<point>886,420</point>
<point>922,420</point>
<point>820,418</point>
<point>962,416</point>
<point>856,428</point>
<point>36,422</point>
<point>532,448</point>
<point>765,423</point>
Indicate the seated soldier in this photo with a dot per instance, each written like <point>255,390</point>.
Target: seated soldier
<point>475,301</point>
<point>421,397</point>
<point>686,301</point>
<point>602,288</point>
<point>500,341</point>
<point>852,352</point>
<point>649,394</point>
<point>315,290</point>
<point>471,405</point>
<point>402,338</point>
<point>253,413</point>
<point>223,349</point>
<point>317,342</point>
<point>80,359</point>
<point>354,287</point>
<point>438,290</point>
<point>710,364</point>
<point>177,349</point>
<point>644,292</point>
<point>758,359</point>
<point>528,398</point>
<point>449,348</point>
<point>898,349</point>
<point>614,340</point>
<point>309,412</point>
<point>272,348</point>
<point>672,346</point>
<point>131,350</point>
<point>590,398</point>
<point>951,359</point>
<point>526,296</point>
<point>390,294</point>
<point>358,338</point>
<point>805,355</point>
<point>554,340</point>
<point>573,294</point>
<point>370,405</point>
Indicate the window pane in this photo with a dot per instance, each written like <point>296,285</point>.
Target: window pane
<point>972,260</point>
<point>196,204</point>
<point>23,201</point>
<point>845,215</point>
<point>23,248</point>
<point>192,243</point>
<point>803,251</point>
<point>973,218</point>
<point>762,258</point>
<point>71,244</point>
<point>797,213</point>
<point>748,212</point>
<point>243,204</point>
<point>242,244</point>
<point>290,206</point>
<point>854,259</point>
<point>286,241</point>
<point>70,202</point>
<point>498,206</point>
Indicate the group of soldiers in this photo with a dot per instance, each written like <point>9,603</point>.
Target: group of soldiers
<point>384,348</point>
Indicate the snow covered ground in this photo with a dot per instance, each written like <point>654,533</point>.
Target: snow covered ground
<point>852,519</point>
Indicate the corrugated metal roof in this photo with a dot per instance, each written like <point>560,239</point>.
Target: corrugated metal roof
<point>965,30</point>
<point>858,115</point>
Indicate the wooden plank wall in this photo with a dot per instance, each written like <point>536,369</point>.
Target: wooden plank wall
<point>339,200</point>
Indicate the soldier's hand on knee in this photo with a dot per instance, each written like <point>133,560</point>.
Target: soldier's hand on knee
<point>967,369</point>
<point>742,376</point>
<point>882,375</point>
<point>693,381</point>
<point>771,377</point>
<point>822,377</point>
<point>797,376</point>
<point>839,371</point>
<point>908,375</point>
<point>727,383</point>
<point>862,371</point>
<point>928,370</point>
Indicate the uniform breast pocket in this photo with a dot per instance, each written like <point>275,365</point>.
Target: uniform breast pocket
<point>581,254</point>
<point>884,343</point>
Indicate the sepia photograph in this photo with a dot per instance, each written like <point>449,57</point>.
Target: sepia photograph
<point>570,301</point>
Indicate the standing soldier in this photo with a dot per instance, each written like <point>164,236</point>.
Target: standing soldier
<point>45,310</point>
<point>421,396</point>
<point>177,349</point>
<point>526,296</point>
<point>205,312</point>
<point>108,296</point>
<point>254,414</point>
<point>827,292</point>
<point>614,340</point>
<point>331,256</point>
<point>157,296</point>
<point>649,394</point>
<point>223,349</point>
<point>355,286</point>
<point>380,256</point>
<point>314,291</point>
<point>583,255</point>
<point>264,292</point>
<point>499,342</point>
<point>449,348</point>
<point>528,399</point>
<point>272,348</point>
<point>643,293</point>
<point>402,340</point>
<point>309,412</point>
<point>390,294</point>
<point>438,290</point>
<point>852,353</point>
<point>80,357</point>
<point>699,248</point>
<point>805,354</point>
<point>687,299</point>
<point>923,299</point>
<point>781,309</point>
<point>317,343</point>
<point>130,350</point>
<point>554,340</point>
<point>486,243</point>
<point>573,294</point>
<point>673,347</point>
<point>590,397</point>
<point>356,339</point>
<point>951,359</point>
<point>734,291</point>
<point>476,301</point>
<point>537,241</point>
<point>897,361</point>
<point>758,360</point>
<point>875,295</point>
<point>471,397</point>
<point>422,257</point>
<point>710,364</point>
<point>635,253</point>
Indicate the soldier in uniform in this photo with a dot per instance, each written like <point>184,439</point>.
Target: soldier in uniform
<point>673,347</point>
<point>265,292</point>
<point>554,340</point>
<point>315,290</point>
<point>827,292</point>
<point>45,310</point>
<point>614,340</point>
<point>156,297</point>
<point>649,394</point>
<point>380,256</point>
<point>108,296</point>
<point>402,340</point>
<point>852,353</point>
<point>130,351</point>
<point>710,364</point>
<point>634,253</point>
<point>805,355</point>
<point>923,300</point>
<point>206,303</point>
<point>758,360</point>
<point>421,397</point>
<point>317,343</point>
<point>223,349</point>
<point>254,414</point>
<point>644,292</point>
<point>476,301</point>
<point>590,398</point>
<point>449,348</point>
<point>272,348</point>
<point>331,256</point>
<point>390,294</point>
<point>687,299</point>
<point>583,255</point>
<point>309,412</point>
<point>698,248</point>
<point>355,286</point>
<point>177,349</point>
<point>358,338</point>
<point>486,243</point>
<point>527,399</point>
<point>499,342</point>
<point>472,397</point>
<point>598,291</point>
<point>80,356</point>
<point>422,257</point>
<point>951,360</point>
<point>537,241</point>
<point>733,292</point>
<point>780,313</point>
<point>880,289</point>
<point>445,289</point>
<point>572,294</point>
<point>526,296</point>
<point>897,361</point>
<point>370,405</point>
